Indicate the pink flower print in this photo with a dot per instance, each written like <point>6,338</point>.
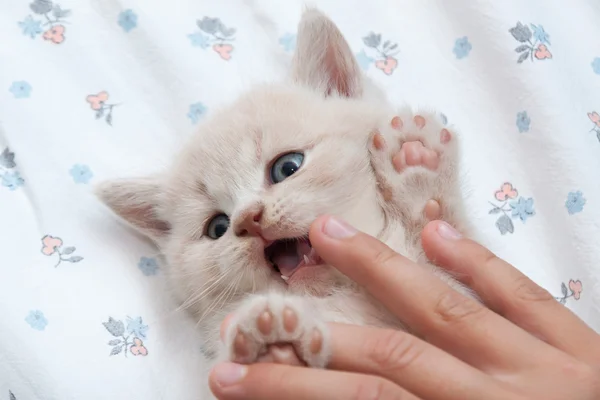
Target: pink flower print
<point>506,192</point>
<point>224,50</point>
<point>384,51</point>
<point>595,118</point>
<point>97,100</point>
<point>51,244</point>
<point>542,52</point>
<point>138,348</point>
<point>576,288</point>
<point>387,65</point>
<point>98,103</point>
<point>55,34</point>
<point>573,290</point>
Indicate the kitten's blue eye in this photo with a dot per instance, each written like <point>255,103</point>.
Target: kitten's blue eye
<point>217,226</point>
<point>285,166</point>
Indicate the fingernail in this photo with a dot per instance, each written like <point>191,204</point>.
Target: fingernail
<point>338,229</point>
<point>227,374</point>
<point>447,232</point>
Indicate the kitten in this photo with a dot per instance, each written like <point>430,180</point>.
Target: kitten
<point>231,215</point>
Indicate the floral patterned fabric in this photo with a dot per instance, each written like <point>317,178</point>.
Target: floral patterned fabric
<point>93,89</point>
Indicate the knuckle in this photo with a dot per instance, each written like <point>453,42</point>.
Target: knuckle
<point>393,351</point>
<point>377,389</point>
<point>526,290</point>
<point>454,308</point>
<point>384,256</point>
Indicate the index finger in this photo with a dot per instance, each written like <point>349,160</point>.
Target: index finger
<point>429,306</point>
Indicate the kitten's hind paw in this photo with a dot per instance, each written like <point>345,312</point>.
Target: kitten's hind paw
<point>276,328</point>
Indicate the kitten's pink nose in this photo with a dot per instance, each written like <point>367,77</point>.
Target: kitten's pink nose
<point>248,223</point>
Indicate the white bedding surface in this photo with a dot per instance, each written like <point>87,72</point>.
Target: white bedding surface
<point>112,87</point>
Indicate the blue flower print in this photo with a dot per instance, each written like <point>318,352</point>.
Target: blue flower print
<point>575,202</point>
<point>507,201</point>
<point>523,121</point>
<point>462,47</point>
<point>136,327</point>
<point>12,180</point>
<point>364,60</point>
<point>148,266</point>
<point>539,34</point>
<point>128,20</point>
<point>36,320</point>
<point>20,89</point>
<point>288,41</point>
<point>31,27</point>
<point>199,40</point>
<point>197,110</point>
<point>81,173</point>
<point>522,208</point>
<point>596,65</point>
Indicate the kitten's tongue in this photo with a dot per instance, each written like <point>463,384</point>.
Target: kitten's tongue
<point>291,257</point>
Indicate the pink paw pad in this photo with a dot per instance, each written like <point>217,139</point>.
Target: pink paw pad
<point>445,136</point>
<point>378,141</point>
<point>397,123</point>
<point>415,154</point>
<point>419,121</point>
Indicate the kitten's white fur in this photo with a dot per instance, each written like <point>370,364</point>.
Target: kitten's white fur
<point>328,110</point>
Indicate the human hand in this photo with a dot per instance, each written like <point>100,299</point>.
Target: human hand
<point>524,346</point>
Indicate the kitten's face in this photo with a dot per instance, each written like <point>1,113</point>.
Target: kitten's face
<point>233,213</point>
<point>260,172</point>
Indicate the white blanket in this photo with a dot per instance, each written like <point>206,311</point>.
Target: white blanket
<point>95,89</point>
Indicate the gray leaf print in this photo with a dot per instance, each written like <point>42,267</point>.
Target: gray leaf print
<point>100,113</point>
<point>562,301</point>
<point>209,25</point>
<point>68,250</point>
<point>114,342</point>
<point>523,57</point>
<point>11,395</point>
<point>109,119</point>
<point>7,159</point>
<point>59,12</point>
<point>41,6</point>
<point>563,289</point>
<point>225,31</point>
<point>495,211</point>
<point>521,48</point>
<point>505,224</point>
<point>74,259</point>
<point>372,40</point>
<point>116,350</point>
<point>114,327</point>
<point>521,32</point>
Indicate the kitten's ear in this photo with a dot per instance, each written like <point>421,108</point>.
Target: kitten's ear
<point>137,201</point>
<point>323,59</point>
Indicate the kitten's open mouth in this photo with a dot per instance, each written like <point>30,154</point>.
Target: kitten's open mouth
<point>289,255</point>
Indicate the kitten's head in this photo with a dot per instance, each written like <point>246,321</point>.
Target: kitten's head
<point>233,212</point>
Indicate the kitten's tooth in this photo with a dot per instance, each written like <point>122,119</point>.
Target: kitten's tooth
<point>285,278</point>
<point>306,260</point>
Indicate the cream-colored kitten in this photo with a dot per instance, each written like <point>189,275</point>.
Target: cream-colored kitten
<point>231,215</point>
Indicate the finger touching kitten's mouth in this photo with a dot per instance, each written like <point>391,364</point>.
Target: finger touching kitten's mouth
<point>289,255</point>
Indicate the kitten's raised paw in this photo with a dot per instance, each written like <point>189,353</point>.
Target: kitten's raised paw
<point>415,159</point>
<point>266,328</point>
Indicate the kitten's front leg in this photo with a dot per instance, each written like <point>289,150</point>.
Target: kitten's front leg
<point>266,323</point>
<point>415,159</point>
